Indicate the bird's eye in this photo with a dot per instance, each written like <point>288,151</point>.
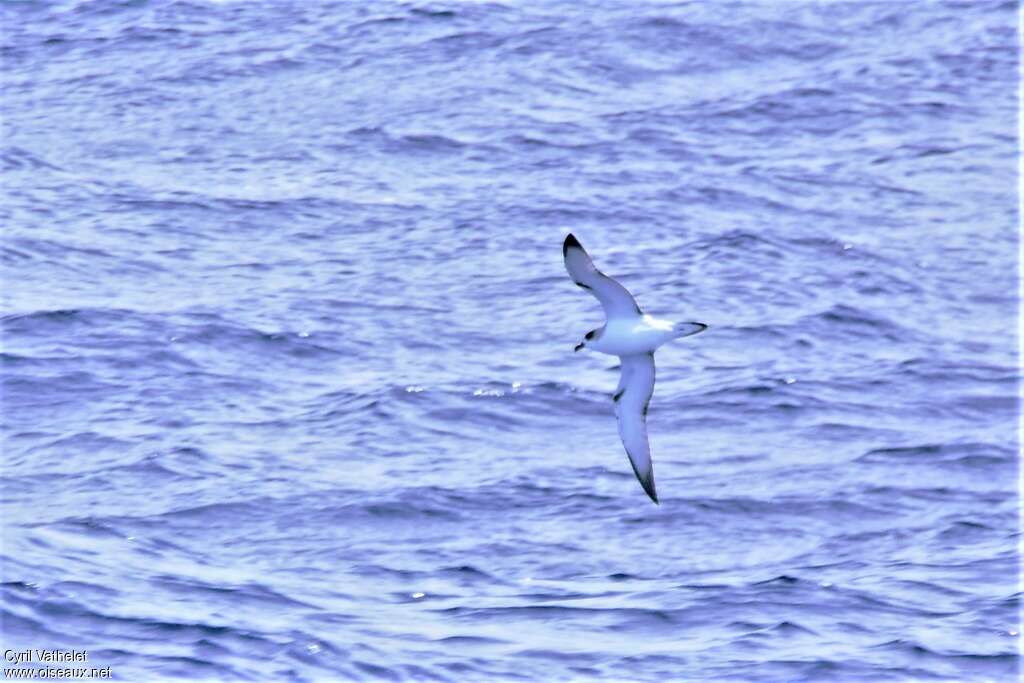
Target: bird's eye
<point>589,335</point>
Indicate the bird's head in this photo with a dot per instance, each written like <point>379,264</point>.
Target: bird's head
<point>587,337</point>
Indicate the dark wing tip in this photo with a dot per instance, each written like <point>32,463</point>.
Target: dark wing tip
<point>647,482</point>
<point>570,241</point>
<point>648,485</point>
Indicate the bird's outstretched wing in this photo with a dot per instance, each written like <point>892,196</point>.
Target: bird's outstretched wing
<point>636,384</point>
<point>615,299</point>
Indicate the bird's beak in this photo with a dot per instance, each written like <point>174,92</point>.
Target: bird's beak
<point>578,347</point>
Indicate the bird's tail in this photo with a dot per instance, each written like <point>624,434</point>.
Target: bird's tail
<point>687,329</point>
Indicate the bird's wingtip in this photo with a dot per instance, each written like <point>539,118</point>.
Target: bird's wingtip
<point>649,489</point>
<point>570,241</point>
<point>646,480</point>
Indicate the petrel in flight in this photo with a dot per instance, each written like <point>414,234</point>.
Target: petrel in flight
<point>632,336</point>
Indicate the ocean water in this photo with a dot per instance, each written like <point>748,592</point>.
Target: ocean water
<point>288,383</point>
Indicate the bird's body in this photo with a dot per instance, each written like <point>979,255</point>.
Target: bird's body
<point>626,336</point>
<point>633,336</point>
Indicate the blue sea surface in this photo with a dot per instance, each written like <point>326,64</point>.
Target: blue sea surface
<point>288,389</point>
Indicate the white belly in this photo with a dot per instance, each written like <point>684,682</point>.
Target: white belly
<point>636,335</point>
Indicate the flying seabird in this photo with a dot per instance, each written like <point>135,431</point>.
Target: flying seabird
<point>633,336</point>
